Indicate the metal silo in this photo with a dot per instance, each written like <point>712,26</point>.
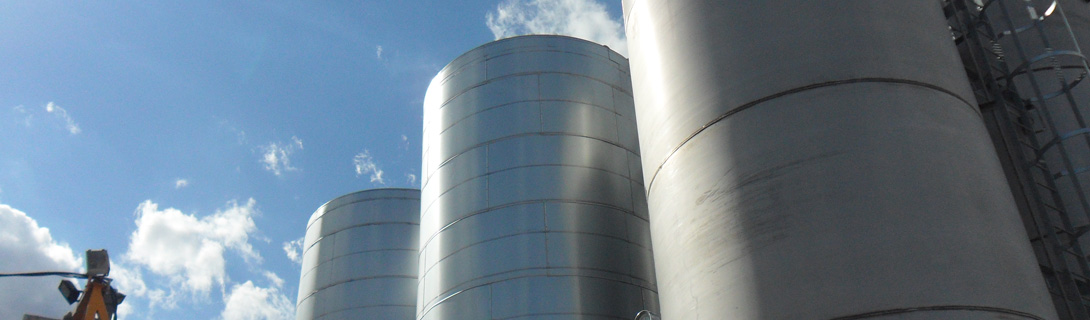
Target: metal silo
<point>812,160</point>
<point>532,200</point>
<point>359,257</point>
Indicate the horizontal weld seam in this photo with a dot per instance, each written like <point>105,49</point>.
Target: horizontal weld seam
<point>764,99</point>
<point>938,308</point>
<point>326,210</point>
<point>316,266</point>
<point>436,301</point>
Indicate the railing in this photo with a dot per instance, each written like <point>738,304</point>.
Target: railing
<point>1026,69</point>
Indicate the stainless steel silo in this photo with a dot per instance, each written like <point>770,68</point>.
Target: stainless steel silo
<point>360,257</point>
<point>820,160</point>
<point>532,204</point>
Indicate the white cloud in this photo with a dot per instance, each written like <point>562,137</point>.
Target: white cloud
<point>248,301</point>
<point>378,52</point>
<point>294,250</point>
<point>181,183</point>
<point>411,178</point>
<point>129,282</point>
<point>274,279</point>
<point>240,135</point>
<point>405,142</point>
<point>27,116</point>
<point>188,250</point>
<point>25,246</point>
<point>70,124</point>
<point>366,165</point>
<point>586,19</point>
<point>275,156</point>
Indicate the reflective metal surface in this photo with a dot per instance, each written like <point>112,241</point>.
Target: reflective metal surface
<point>818,161</point>
<point>360,257</point>
<point>532,199</point>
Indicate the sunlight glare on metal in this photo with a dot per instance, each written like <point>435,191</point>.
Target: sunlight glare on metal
<point>1051,8</point>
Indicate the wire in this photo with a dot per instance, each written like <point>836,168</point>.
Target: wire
<point>44,274</point>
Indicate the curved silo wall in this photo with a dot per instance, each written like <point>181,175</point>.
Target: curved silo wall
<point>532,200</point>
<point>360,257</point>
<point>811,160</point>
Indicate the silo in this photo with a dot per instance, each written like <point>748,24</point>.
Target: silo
<point>812,160</point>
<point>532,204</point>
<point>359,257</point>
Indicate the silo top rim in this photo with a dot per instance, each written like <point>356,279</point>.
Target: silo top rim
<point>366,194</point>
<point>523,38</point>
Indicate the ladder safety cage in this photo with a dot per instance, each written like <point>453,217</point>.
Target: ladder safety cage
<point>1026,69</point>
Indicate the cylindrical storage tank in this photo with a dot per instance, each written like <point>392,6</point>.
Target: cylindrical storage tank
<point>819,160</point>
<point>532,204</point>
<point>360,257</point>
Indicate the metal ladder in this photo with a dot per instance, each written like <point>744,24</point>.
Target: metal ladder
<point>992,37</point>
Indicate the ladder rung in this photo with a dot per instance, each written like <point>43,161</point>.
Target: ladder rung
<point>1057,210</point>
<point>1045,186</point>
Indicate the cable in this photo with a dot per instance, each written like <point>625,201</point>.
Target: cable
<point>45,273</point>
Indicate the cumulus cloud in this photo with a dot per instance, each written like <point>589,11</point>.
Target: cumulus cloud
<point>190,250</point>
<point>294,250</point>
<point>26,246</point>
<point>586,19</point>
<point>181,183</point>
<point>70,124</point>
<point>365,165</point>
<point>248,301</point>
<point>276,155</point>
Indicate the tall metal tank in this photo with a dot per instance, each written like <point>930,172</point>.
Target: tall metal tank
<point>812,160</point>
<point>532,200</point>
<point>360,257</point>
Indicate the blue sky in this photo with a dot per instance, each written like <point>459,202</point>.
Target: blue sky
<point>193,139</point>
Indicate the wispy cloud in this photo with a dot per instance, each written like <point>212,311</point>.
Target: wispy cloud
<point>22,112</point>
<point>70,124</point>
<point>410,178</point>
<point>276,156</point>
<point>240,135</point>
<point>365,165</point>
<point>586,19</point>
<point>294,250</point>
<point>378,52</point>
<point>181,183</point>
